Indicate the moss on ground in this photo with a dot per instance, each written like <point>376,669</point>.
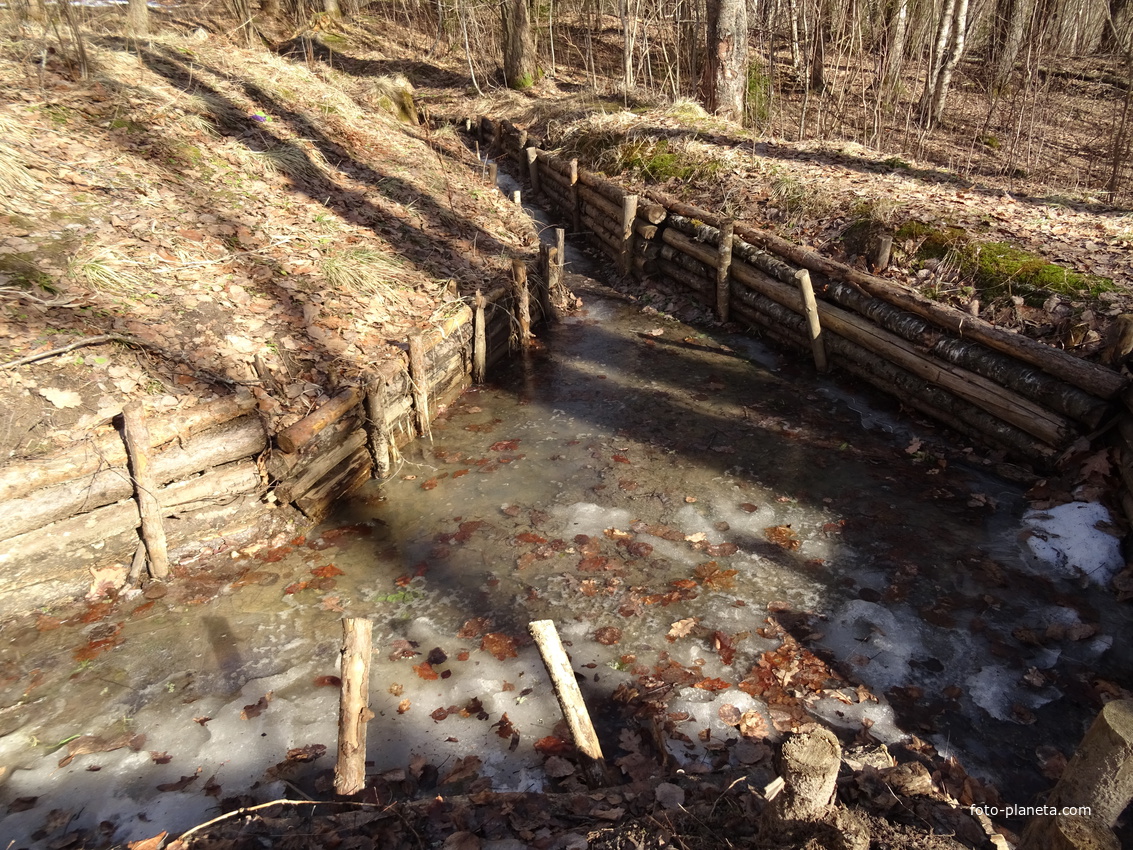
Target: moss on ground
<point>996,268</point>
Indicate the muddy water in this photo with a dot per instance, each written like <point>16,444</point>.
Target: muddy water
<point>656,490</point>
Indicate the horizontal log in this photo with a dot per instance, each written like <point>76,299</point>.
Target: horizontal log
<point>1094,378</point>
<point>599,221</point>
<point>599,231</point>
<point>644,229</point>
<point>1010,407</point>
<point>612,192</point>
<point>786,325</point>
<point>553,175</point>
<point>292,488</point>
<point>697,250</point>
<point>298,434</point>
<point>224,443</point>
<point>109,533</point>
<point>106,447</point>
<point>606,209</point>
<point>683,260</point>
<point>556,163</point>
<point>652,212</point>
<point>689,281</point>
<point>680,208</point>
<point>319,500</point>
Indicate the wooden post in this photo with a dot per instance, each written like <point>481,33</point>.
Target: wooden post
<point>723,266</point>
<point>808,763</point>
<point>560,244</point>
<point>629,213</point>
<point>570,699</point>
<point>353,707</point>
<point>545,263</point>
<point>479,341</point>
<point>523,300</point>
<point>419,377</point>
<point>516,198</point>
<point>814,327</point>
<point>135,434</point>
<point>379,431</point>
<point>493,173</point>
<point>1098,779</point>
<point>522,140</point>
<point>533,168</point>
<point>575,201</point>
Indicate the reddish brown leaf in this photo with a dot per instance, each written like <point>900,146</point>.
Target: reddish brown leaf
<point>608,635</point>
<point>782,535</point>
<point>474,628</point>
<point>530,537</point>
<point>425,671</point>
<point>328,682</point>
<point>499,645</point>
<point>180,785</point>
<point>307,753</point>
<point>712,684</point>
<point>328,571</point>
<point>257,708</point>
<point>504,446</point>
<point>553,746</point>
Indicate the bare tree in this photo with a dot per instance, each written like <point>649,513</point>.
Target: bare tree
<point>137,18</point>
<point>1011,21</point>
<point>725,77</point>
<point>951,39</point>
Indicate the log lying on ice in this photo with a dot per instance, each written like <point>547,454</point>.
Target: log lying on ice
<point>570,700</point>
<point>353,706</point>
<point>192,509</point>
<point>106,447</point>
<point>224,443</point>
<point>1093,378</point>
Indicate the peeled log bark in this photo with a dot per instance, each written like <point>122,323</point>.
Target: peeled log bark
<point>222,444</point>
<point>319,500</point>
<point>1068,832</point>
<point>353,707</point>
<point>106,449</point>
<point>809,765</point>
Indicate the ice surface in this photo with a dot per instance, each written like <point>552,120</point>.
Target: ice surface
<point>1066,539</point>
<point>874,642</point>
<point>837,713</point>
<point>996,690</point>
<point>590,519</point>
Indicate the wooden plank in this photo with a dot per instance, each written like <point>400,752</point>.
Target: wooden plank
<point>353,706</point>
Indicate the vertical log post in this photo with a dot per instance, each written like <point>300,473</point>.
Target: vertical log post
<point>379,430</point>
<point>723,267</point>
<point>522,140</point>
<point>479,341</point>
<point>1098,779</point>
<point>522,300</point>
<point>814,327</point>
<point>570,699</point>
<point>629,213</point>
<point>353,707</point>
<point>560,244</point>
<point>575,201</point>
<point>135,434</point>
<point>493,174</point>
<point>516,198</point>
<point>533,169</point>
<point>419,377</point>
<point>546,263</point>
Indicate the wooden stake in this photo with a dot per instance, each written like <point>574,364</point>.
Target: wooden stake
<point>479,342</point>
<point>629,213</point>
<point>1098,779</point>
<point>379,430</point>
<point>419,377</point>
<point>135,433</point>
<point>570,699</point>
<point>814,327</point>
<point>523,300</point>
<point>493,173</point>
<point>353,707</point>
<point>533,168</point>
<point>560,244</point>
<point>545,264</point>
<point>723,266</point>
<point>516,198</point>
<point>575,201</point>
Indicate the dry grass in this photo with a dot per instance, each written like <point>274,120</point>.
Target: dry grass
<point>368,272</point>
<point>288,158</point>
<point>105,272</point>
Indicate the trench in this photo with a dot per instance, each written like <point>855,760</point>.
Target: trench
<point>683,503</point>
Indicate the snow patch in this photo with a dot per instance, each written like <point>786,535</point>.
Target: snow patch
<point>1067,539</point>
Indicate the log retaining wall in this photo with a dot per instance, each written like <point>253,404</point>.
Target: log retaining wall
<point>997,387</point>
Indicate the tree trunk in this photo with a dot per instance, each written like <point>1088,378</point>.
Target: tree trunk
<point>725,75</point>
<point>897,35</point>
<point>629,36</point>
<point>1008,28</point>
<point>958,31</point>
<point>519,47</point>
<point>1112,32</point>
<point>137,18</point>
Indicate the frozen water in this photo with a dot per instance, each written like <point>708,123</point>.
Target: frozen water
<point>1067,539</point>
<point>872,639</point>
<point>879,714</point>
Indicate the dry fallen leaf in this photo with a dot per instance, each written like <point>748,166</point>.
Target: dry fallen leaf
<point>61,398</point>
